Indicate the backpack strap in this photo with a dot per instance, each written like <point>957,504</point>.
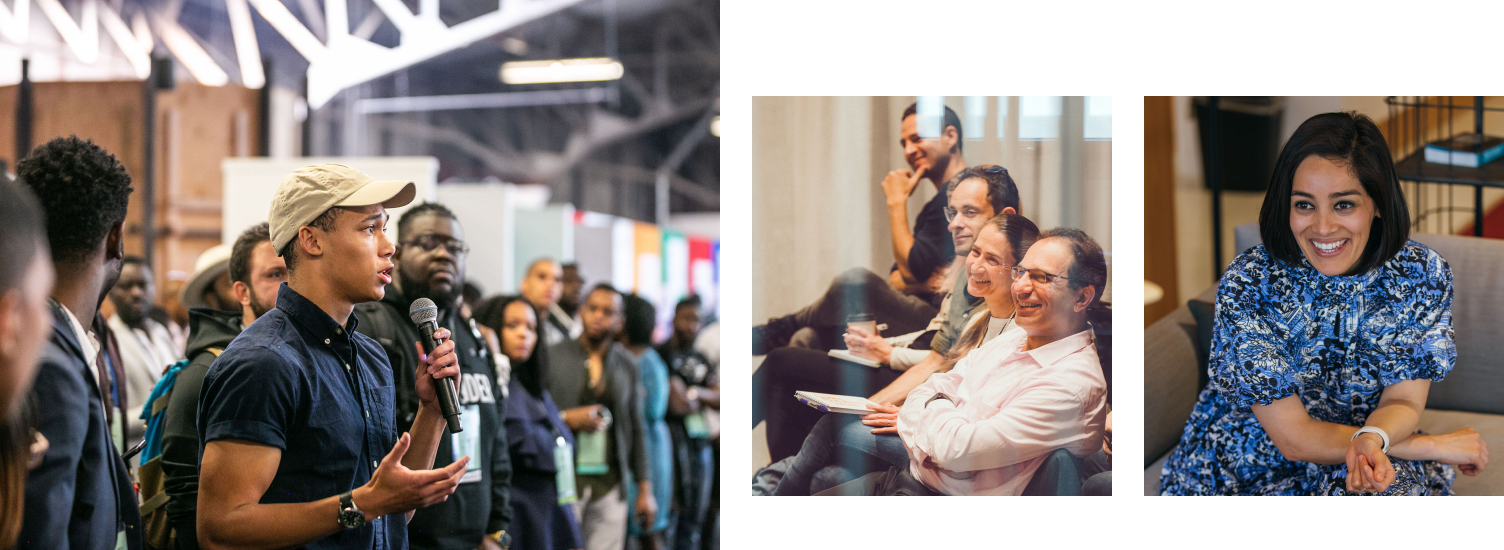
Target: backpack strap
<point>161,402</point>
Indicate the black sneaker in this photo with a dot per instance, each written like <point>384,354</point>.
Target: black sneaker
<point>775,334</point>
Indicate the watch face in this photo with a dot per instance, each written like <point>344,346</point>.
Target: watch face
<point>351,519</point>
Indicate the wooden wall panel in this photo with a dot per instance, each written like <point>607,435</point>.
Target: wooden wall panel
<point>196,129</point>
<point>1159,206</point>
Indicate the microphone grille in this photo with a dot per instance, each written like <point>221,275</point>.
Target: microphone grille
<point>423,311</point>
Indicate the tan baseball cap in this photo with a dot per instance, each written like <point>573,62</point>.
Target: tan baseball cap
<point>308,192</point>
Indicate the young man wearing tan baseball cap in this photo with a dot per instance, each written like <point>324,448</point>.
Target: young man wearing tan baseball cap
<point>297,419</point>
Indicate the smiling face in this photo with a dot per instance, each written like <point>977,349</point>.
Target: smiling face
<point>923,155</point>
<point>969,201</point>
<point>1330,215</point>
<point>988,263</point>
<point>1048,311</point>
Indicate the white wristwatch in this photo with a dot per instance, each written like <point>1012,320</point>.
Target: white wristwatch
<point>1374,430</point>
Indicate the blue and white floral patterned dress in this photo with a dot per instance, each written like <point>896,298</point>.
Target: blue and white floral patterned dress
<point>1284,330</point>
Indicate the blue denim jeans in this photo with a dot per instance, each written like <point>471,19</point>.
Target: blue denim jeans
<point>840,449</point>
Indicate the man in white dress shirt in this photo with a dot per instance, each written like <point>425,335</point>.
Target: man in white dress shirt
<point>986,426</point>
<point>146,348</point>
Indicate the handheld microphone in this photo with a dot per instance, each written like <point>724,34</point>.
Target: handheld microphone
<point>426,315</point>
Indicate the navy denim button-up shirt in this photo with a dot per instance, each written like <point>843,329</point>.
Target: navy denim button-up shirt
<point>322,393</point>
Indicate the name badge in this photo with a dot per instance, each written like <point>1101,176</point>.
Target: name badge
<point>467,443</point>
<point>591,452</point>
<point>564,476</point>
<point>696,425</point>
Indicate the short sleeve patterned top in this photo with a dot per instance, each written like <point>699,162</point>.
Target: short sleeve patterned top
<point>1335,341</point>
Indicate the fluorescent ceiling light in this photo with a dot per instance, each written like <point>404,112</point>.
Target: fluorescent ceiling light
<point>561,70</point>
<point>13,24</point>
<point>247,52</point>
<point>82,38</point>
<point>139,58</point>
<point>290,28</point>
<point>143,33</point>
<point>186,49</point>
<point>715,126</point>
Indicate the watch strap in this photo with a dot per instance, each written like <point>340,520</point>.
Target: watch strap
<point>937,396</point>
<point>350,516</point>
<point>1374,430</point>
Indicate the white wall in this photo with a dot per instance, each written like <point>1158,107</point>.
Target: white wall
<point>814,179</point>
<point>487,212</point>
<point>250,183</point>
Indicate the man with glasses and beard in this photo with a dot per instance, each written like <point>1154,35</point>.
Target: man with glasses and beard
<point>255,273</point>
<point>430,262</point>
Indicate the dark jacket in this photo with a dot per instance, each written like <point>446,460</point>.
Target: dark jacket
<point>81,495</point>
<point>622,394</point>
<point>934,246</point>
<point>478,507</point>
<point>207,328</point>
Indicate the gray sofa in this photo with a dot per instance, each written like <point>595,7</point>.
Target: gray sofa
<point>1471,396</point>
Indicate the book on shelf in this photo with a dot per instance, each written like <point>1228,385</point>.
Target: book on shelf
<point>1470,150</point>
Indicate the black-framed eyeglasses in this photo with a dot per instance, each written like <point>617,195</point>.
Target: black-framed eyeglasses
<point>1039,277</point>
<point>429,243</point>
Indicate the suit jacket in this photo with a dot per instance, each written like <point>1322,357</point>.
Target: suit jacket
<point>622,396</point>
<point>81,495</point>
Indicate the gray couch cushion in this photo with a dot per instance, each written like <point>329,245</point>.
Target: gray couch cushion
<point>1205,314</point>
<point>1490,482</point>
<point>1170,381</point>
<point>1246,236</point>
<point>1478,301</point>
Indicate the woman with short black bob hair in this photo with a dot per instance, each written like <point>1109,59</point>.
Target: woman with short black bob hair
<point>1327,338</point>
<point>1356,140</point>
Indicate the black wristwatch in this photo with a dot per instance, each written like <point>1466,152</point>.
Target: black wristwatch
<point>938,395</point>
<point>350,517</point>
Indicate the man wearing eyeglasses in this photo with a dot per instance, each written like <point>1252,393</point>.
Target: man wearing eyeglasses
<point>430,262</point>
<point>985,427</point>
<point>974,196</point>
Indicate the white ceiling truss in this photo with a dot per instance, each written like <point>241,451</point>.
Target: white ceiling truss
<point>643,131</point>
<point>339,60</point>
